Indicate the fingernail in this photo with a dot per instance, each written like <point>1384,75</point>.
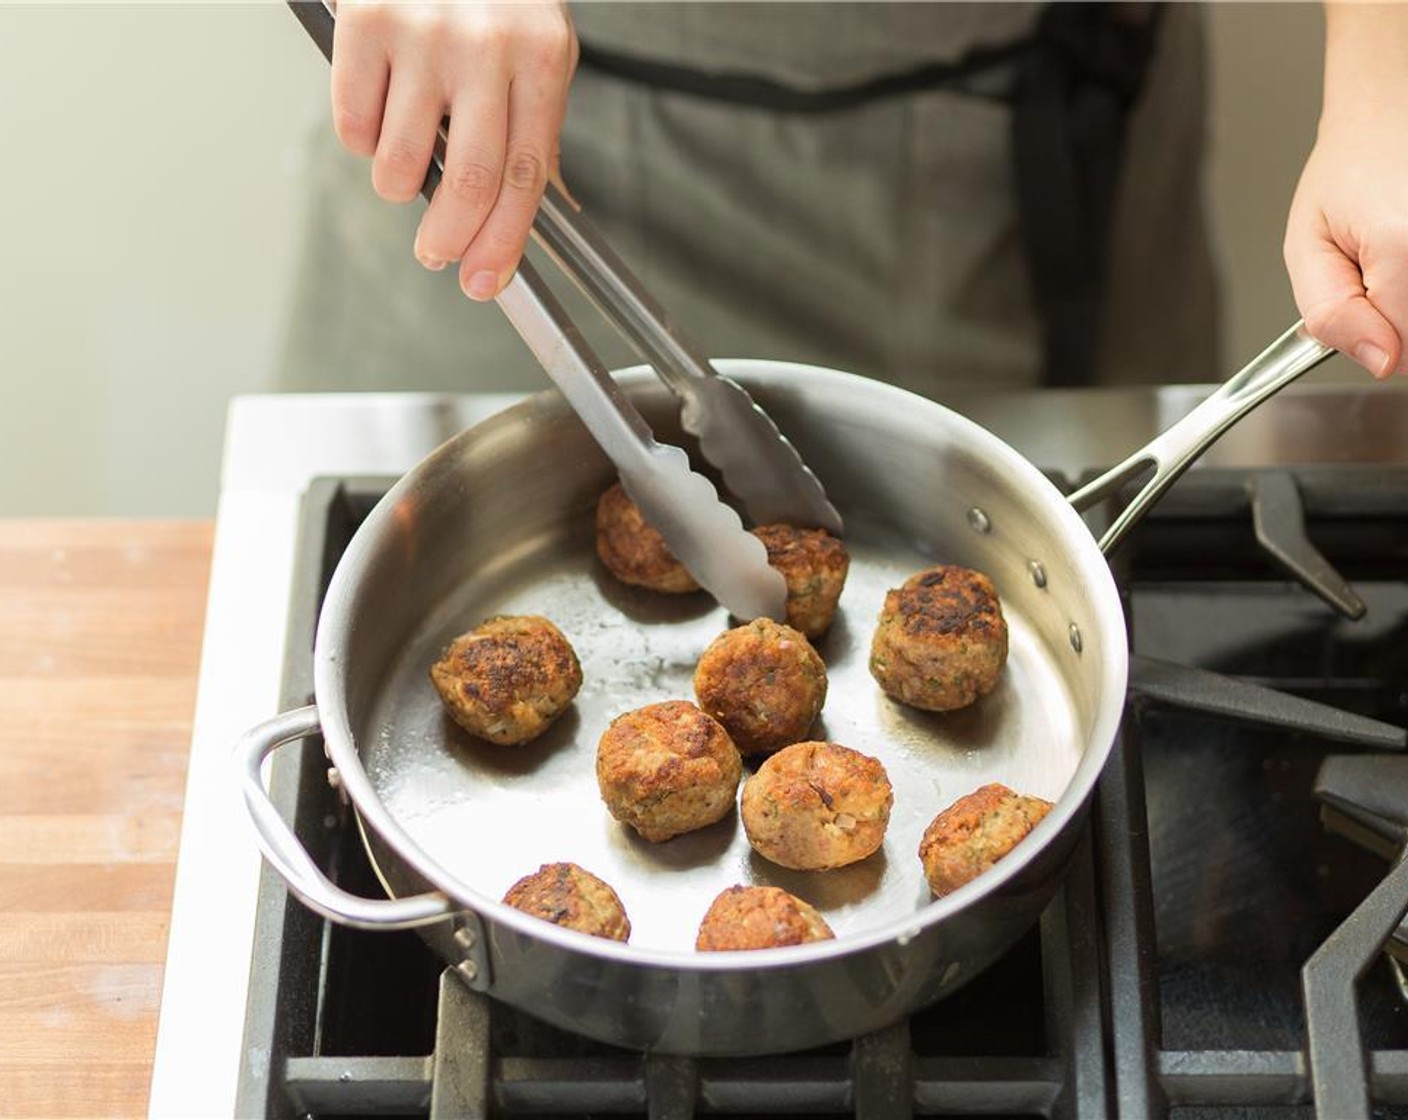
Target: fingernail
<point>1372,358</point>
<point>427,260</point>
<point>483,285</point>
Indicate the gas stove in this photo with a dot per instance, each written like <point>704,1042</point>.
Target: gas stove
<point>1224,941</point>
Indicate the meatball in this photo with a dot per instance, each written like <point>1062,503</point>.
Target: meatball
<point>763,682</point>
<point>759,918</point>
<point>975,832</point>
<point>813,806</point>
<point>666,769</point>
<point>508,679</point>
<point>814,563</point>
<point>632,551</point>
<point>566,895</point>
<point>942,640</point>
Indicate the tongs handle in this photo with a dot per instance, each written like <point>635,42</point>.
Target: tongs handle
<point>758,464</point>
<point>578,373</point>
<point>529,304</point>
<point>583,254</point>
<point>576,246</point>
<point>536,313</point>
<point>684,506</point>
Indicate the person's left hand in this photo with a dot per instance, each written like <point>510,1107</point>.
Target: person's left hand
<point>1346,244</point>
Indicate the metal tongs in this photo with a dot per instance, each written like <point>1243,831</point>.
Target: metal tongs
<point>758,464</point>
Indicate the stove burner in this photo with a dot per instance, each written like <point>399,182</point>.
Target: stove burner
<point>1278,517</point>
<point>1196,690</point>
<point>1364,799</point>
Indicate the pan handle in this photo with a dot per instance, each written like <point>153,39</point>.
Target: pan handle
<point>1172,452</point>
<point>289,858</point>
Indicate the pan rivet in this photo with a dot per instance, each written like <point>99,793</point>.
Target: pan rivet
<point>1038,572</point>
<point>464,938</point>
<point>1076,641</point>
<point>468,969</point>
<point>335,780</point>
<point>979,520</point>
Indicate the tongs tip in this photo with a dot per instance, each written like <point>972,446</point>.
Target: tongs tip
<point>706,536</point>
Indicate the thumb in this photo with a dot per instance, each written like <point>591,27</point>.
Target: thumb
<point>1329,291</point>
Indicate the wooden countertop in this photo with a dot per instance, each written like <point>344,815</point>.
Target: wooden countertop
<point>100,628</point>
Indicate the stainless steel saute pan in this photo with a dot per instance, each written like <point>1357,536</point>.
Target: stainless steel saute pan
<point>499,519</point>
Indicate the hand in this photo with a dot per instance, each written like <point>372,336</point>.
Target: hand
<point>1346,242</point>
<point>501,73</point>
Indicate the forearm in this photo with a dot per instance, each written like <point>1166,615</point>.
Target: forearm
<point>1366,60</point>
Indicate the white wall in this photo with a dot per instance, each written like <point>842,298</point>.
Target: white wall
<point>148,208</point>
<point>1265,73</point>
<point>150,200</point>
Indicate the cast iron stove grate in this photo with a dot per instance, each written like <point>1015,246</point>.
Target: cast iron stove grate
<point>1156,981</point>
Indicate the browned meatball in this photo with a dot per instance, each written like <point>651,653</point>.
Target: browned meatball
<point>813,806</point>
<point>974,833</point>
<point>814,563</point>
<point>508,679</point>
<point>632,551</point>
<point>759,918</point>
<point>942,640</point>
<point>566,895</point>
<point>763,682</point>
<point>666,769</point>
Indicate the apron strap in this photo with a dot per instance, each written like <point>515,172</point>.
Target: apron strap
<point>757,92</point>
<point>1075,86</point>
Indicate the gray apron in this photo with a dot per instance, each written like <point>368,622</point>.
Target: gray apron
<point>881,237</point>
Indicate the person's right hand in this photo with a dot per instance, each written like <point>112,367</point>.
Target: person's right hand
<point>1347,235</point>
<point>501,73</point>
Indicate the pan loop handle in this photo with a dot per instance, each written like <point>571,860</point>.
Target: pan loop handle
<point>291,860</point>
<point>1172,452</point>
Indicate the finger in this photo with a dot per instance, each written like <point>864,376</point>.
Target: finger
<point>1386,287</point>
<point>408,131</point>
<point>360,73</point>
<point>535,112</point>
<point>474,157</point>
<point>1330,293</point>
